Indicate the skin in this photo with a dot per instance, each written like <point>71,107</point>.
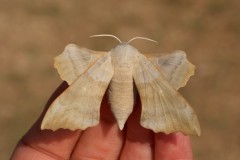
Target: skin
<point>104,141</point>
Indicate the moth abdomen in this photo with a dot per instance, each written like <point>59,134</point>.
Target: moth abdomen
<point>121,96</point>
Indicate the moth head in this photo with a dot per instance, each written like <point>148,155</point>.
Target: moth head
<point>124,55</point>
<point>124,49</point>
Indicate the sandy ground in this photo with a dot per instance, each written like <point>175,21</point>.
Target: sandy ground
<point>33,32</point>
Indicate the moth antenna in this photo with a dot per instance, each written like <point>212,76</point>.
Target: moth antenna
<point>148,39</point>
<point>106,35</point>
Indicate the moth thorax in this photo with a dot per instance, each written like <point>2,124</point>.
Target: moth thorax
<point>123,52</point>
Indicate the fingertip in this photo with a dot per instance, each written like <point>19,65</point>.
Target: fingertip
<point>173,146</point>
<point>139,141</point>
<point>103,141</point>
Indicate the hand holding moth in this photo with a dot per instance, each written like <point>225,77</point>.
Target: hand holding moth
<point>124,72</point>
<point>103,141</point>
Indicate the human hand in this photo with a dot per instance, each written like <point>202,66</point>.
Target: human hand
<point>104,141</point>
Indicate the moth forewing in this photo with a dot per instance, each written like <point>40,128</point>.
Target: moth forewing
<point>163,108</point>
<point>78,107</point>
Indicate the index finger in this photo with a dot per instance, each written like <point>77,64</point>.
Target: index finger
<point>40,144</point>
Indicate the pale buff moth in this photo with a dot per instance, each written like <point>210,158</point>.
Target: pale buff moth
<point>122,71</point>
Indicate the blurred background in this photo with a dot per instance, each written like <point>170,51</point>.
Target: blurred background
<point>33,32</point>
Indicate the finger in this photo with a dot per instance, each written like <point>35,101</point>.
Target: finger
<point>139,141</point>
<point>172,146</point>
<point>45,144</point>
<point>103,141</point>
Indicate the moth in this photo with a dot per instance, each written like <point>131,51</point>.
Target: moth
<point>123,69</point>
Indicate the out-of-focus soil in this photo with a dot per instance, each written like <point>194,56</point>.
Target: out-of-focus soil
<point>33,32</point>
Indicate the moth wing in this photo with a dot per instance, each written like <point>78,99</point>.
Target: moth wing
<point>163,108</point>
<point>74,61</point>
<point>175,67</point>
<point>78,107</point>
